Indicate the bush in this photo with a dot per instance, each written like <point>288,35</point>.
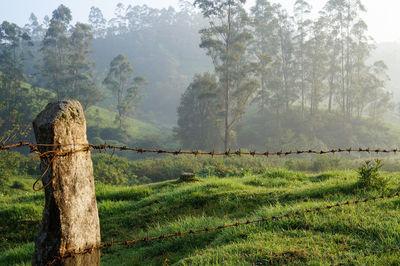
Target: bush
<point>16,164</point>
<point>113,170</point>
<point>369,176</point>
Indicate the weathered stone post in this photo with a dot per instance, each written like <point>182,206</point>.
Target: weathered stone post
<point>70,217</point>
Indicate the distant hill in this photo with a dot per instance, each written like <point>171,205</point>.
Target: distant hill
<point>101,125</point>
<point>134,128</point>
<point>167,56</point>
<point>101,129</point>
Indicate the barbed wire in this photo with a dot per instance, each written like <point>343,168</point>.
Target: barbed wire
<point>49,157</point>
<point>240,153</point>
<point>18,145</point>
<point>90,147</point>
<point>129,243</point>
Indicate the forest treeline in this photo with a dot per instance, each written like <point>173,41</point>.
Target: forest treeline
<point>161,45</point>
<point>286,68</point>
<point>56,56</point>
<point>258,78</point>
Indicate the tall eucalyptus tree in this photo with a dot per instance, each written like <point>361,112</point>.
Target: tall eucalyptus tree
<point>226,40</point>
<point>302,10</point>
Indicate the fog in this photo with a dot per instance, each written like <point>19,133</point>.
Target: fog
<point>286,75</point>
<point>382,16</point>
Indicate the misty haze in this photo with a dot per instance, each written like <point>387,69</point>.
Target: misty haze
<point>220,132</point>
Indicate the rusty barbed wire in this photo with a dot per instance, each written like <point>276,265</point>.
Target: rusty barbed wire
<point>129,243</point>
<point>90,147</point>
<point>52,154</point>
<point>240,153</point>
<point>49,156</point>
<point>48,165</point>
<point>19,145</point>
<point>71,255</point>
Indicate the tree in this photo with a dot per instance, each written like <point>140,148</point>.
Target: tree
<point>364,76</point>
<point>46,22</point>
<point>66,67</point>
<point>373,92</point>
<point>197,126</point>
<point>36,32</point>
<point>119,24</point>
<point>120,80</point>
<point>343,16</point>
<point>332,51</point>
<point>55,49</point>
<point>19,102</point>
<point>80,76</point>
<point>264,48</point>
<point>286,60</point>
<point>12,95</point>
<point>274,49</point>
<point>11,65</point>
<point>97,22</point>
<point>316,59</point>
<point>301,10</point>
<point>226,41</point>
<point>34,29</point>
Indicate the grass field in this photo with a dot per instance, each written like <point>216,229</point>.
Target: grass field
<point>324,238</point>
<point>133,127</point>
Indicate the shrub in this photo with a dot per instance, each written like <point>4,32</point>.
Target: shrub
<point>369,176</point>
<point>15,164</point>
<point>113,170</point>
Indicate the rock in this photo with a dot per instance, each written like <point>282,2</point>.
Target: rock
<point>188,177</point>
<point>70,217</point>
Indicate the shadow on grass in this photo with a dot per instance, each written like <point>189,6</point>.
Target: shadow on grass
<point>36,198</point>
<point>155,253</point>
<point>233,204</point>
<point>322,177</point>
<point>324,192</point>
<point>124,194</point>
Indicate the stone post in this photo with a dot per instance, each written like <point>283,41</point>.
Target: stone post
<point>70,217</point>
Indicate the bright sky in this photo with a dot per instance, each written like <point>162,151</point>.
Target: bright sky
<point>382,18</point>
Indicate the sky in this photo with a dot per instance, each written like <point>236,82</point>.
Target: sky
<point>382,16</point>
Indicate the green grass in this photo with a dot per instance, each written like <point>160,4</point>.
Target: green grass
<point>106,119</point>
<point>321,238</point>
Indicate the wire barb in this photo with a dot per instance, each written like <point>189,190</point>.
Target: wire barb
<point>90,147</point>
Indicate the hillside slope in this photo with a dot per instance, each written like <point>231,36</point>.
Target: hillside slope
<point>322,238</point>
<point>133,129</point>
